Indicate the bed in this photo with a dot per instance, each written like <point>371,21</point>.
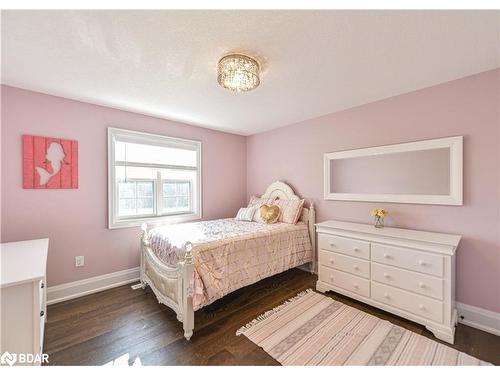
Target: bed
<point>188,266</point>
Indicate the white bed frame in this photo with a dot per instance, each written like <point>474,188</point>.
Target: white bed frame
<point>179,294</point>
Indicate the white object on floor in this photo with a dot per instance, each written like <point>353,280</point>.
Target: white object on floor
<point>23,295</point>
<point>406,272</point>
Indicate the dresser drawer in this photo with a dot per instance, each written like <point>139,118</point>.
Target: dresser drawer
<point>414,260</point>
<point>345,263</point>
<point>345,281</point>
<point>413,281</point>
<point>347,246</point>
<point>419,305</point>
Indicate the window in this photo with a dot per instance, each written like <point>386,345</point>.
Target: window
<point>135,198</point>
<point>176,196</point>
<point>152,178</point>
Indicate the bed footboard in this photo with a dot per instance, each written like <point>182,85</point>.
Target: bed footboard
<point>171,285</point>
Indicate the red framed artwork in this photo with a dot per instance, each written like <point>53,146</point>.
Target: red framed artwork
<point>49,163</point>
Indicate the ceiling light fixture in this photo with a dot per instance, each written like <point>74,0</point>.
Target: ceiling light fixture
<point>238,73</point>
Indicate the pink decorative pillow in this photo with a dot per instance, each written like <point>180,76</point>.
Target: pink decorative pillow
<point>254,201</point>
<point>290,210</point>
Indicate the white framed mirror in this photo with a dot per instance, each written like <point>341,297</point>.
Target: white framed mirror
<point>425,172</point>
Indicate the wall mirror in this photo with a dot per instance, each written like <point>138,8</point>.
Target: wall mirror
<point>426,172</point>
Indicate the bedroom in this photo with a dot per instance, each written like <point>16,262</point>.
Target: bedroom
<point>194,187</point>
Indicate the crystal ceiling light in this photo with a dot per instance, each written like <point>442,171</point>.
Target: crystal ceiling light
<point>238,73</point>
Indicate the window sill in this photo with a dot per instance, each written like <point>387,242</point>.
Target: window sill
<point>137,222</point>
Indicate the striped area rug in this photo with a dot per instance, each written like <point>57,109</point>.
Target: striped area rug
<point>312,329</point>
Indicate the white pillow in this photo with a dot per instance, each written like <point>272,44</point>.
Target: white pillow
<point>256,216</point>
<point>246,213</point>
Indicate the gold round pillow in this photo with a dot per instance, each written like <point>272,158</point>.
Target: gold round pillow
<point>269,214</point>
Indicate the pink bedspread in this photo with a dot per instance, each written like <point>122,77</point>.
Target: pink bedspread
<point>230,254</point>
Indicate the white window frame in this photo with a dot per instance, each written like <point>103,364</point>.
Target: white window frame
<point>116,134</point>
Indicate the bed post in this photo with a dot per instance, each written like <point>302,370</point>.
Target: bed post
<point>312,232</point>
<point>144,245</point>
<point>187,292</point>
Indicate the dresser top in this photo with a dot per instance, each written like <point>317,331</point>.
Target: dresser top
<point>407,234</point>
<point>23,261</point>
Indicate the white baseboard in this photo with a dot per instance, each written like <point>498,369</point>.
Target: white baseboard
<point>64,292</point>
<point>482,319</point>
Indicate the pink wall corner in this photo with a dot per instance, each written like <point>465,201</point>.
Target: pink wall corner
<point>75,220</point>
<point>468,106</point>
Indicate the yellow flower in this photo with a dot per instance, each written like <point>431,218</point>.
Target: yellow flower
<point>379,212</point>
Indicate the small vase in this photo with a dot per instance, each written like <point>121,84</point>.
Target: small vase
<point>379,222</point>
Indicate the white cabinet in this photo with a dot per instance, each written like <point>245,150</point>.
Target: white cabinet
<point>23,297</point>
<point>406,272</point>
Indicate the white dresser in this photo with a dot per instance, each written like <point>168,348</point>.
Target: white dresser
<point>23,298</point>
<point>406,272</point>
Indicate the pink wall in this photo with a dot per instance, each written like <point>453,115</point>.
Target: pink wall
<point>76,220</point>
<point>468,107</point>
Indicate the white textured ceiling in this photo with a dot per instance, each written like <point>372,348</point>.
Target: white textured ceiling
<point>315,62</point>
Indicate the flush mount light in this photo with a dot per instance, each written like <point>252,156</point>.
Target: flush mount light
<point>238,73</point>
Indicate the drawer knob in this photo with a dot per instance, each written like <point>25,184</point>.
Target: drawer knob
<point>42,313</point>
<point>356,286</point>
<point>356,249</point>
<point>331,260</point>
<point>332,244</point>
<point>387,255</point>
<point>386,295</point>
<point>355,267</point>
<point>386,275</point>
<point>42,285</point>
<point>421,262</point>
<point>421,307</point>
<point>331,277</point>
<point>421,284</point>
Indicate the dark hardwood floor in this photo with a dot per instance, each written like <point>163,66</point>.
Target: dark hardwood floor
<point>122,325</point>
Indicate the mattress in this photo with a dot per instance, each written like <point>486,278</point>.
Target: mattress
<point>230,254</point>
